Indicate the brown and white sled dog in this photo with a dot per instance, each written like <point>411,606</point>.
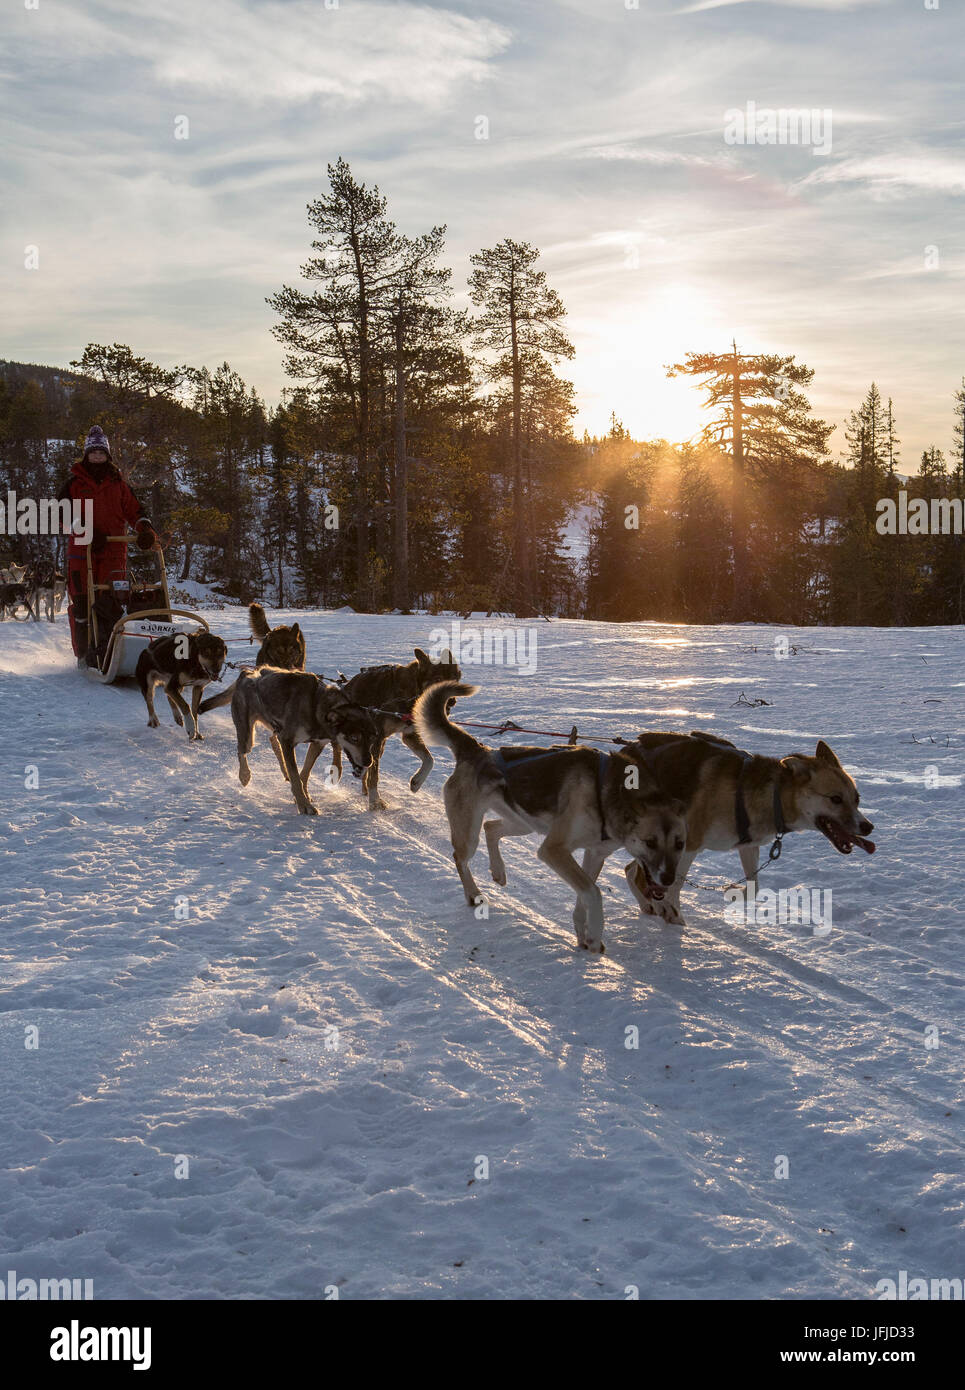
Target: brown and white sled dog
<point>390,692</point>
<point>736,800</point>
<point>178,662</point>
<point>575,798</point>
<point>298,708</point>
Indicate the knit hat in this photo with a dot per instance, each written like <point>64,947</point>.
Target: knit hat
<point>96,439</point>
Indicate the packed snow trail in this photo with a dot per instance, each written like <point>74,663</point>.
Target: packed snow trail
<point>305,1009</point>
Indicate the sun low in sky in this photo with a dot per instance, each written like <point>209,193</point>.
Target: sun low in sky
<point>624,356</point>
<point>162,159</point>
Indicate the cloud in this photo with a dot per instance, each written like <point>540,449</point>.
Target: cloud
<point>780,4</point>
<point>606,151</point>
<point>290,51</point>
<point>641,155</point>
<point>297,51</point>
<point>897,175</point>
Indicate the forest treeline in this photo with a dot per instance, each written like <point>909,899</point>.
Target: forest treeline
<point>424,457</point>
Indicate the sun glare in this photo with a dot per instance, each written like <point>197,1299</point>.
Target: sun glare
<point>620,364</point>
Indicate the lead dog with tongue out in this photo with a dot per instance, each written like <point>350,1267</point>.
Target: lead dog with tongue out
<point>738,800</point>
<point>573,797</point>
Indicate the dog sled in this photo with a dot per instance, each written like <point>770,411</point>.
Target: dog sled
<point>148,616</point>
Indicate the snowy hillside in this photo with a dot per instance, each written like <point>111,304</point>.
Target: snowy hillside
<point>187,950</point>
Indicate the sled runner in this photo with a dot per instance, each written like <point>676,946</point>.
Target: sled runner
<point>143,623</point>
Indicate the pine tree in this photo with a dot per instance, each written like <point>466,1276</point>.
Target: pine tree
<point>519,319</point>
<point>135,402</point>
<point>762,419</point>
<point>331,332</point>
<point>617,577</point>
<point>227,445</point>
<point>958,448</point>
<point>892,440</point>
<point>422,337</point>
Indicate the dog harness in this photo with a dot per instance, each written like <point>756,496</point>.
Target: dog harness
<point>505,766</point>
<point>740,803</point>
<point>743,819</point>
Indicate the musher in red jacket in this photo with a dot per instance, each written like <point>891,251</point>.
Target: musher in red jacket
<point>115,509</point>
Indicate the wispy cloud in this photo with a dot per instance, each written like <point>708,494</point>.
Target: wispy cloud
<point>780,4</point>
<point>642,154</point>
<point>286,51</point>
<point>605,149</point>
<point>897,175</point>
<point>289,52</point>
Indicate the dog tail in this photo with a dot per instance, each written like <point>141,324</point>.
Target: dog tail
<point>216,701</point>
<point>258,620</point>
<point>430,714</point>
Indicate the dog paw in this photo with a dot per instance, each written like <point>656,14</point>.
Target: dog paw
<point>378,805</point>
<point>244,775</point>
<point>196,737</point>
<point>499,876</point>
<point>309,809</point>
<point>154,723</point>
<point>179,721</point>
<point>595,948</point>
<point>670,913</point>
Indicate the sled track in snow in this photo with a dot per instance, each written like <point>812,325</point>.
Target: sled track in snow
<point>497,993</point>
<point>460,1034</point>
<point>779,972</point>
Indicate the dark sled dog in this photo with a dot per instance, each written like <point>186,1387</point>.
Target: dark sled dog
<point>390,692</point>
<point>280,646</point>
<point>573,797</point>
<point>298,707</point>
<point>736,800</point>
<point>177,662</point>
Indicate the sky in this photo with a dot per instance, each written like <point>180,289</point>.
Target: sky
<point>609,146</point>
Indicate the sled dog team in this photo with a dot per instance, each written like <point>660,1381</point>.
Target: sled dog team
<point>663,797</point>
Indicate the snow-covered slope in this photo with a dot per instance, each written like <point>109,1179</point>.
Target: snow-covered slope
<point>187,950</point>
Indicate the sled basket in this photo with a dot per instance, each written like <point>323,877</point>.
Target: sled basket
<point>139,627</point>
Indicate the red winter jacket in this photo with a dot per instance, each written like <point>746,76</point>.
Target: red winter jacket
<point>115,506</point>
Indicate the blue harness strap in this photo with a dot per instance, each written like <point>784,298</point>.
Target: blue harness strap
<point>506,764</point>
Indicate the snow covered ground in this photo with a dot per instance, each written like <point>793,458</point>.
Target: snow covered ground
<point>306,1011</point>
